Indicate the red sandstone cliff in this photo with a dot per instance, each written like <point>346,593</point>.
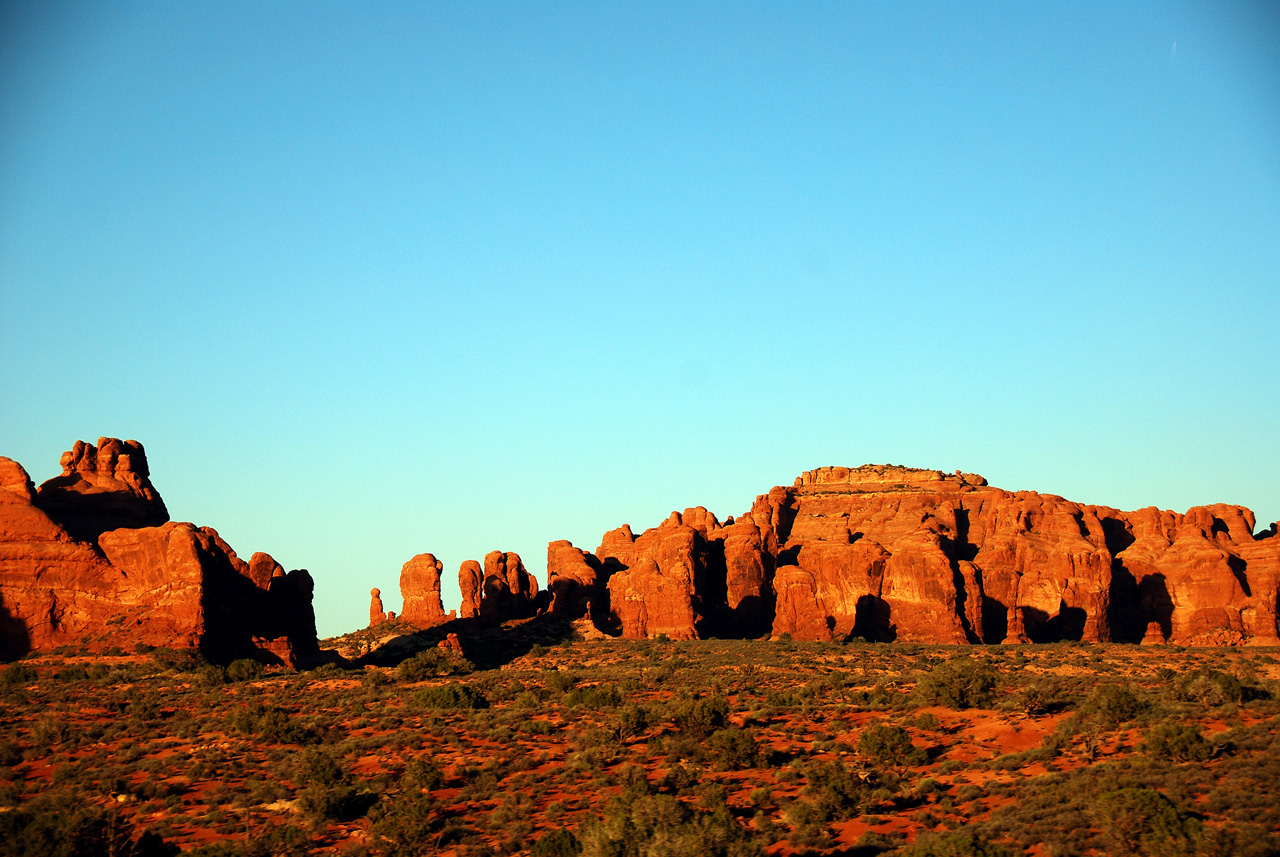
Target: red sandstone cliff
<point>895,553</point>
<point>90,558</point>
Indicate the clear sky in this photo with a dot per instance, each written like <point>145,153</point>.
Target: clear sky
<point>374,279</point>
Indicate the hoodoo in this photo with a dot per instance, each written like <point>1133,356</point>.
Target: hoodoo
<point>91,558</point>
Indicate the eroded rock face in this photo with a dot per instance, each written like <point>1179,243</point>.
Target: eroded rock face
<point>572,579</point>
<point>420,589</point>
<point>376,613</point>
<point>894,553</point>
<point>471,582</point>
<point>102,488</point>
<point>508,590</point>
<point>68,576</point>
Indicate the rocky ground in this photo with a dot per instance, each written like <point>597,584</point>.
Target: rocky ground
<point>546,745</point>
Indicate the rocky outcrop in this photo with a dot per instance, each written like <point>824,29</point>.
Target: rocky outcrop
<point>103,487</point>
<point>572,579</point>
<point>420,591</point>
<point>471,583</point>
<point>509,590</point>
<point>377,615</point>
<point>90,559</point>
<point>886,553</point>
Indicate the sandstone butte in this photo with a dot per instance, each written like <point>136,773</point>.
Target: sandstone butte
<point>893,553</point>
<point>90,558</point>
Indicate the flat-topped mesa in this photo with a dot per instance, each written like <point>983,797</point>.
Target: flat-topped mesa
<point>888,477</point>
<point>92,559</point>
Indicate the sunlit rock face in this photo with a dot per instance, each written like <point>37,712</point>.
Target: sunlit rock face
<point>887,553</point>
<point>91,559</point>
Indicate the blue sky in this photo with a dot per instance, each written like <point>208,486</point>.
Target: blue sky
<point>375,279</point>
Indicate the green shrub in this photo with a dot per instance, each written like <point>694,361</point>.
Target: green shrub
<point>890,746</point>
<point>633,720</point>
<point>402,826</point>
<point>699,718</point>
<point>432,663</point>
<point>17,675</point>
<point>593,697</point>
<point>953,845</point>
<point>959,683</point>
<point>1142,821</point>
<point>1177,742</point>
<point>329,791</point>
<point>732,749</point>
<point>245,669</point>
<point>1113,704</point>
<point>448,696</point>
<point>556,843</point>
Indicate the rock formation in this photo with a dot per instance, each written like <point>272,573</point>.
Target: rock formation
<point>471,583</point>
<point>376,614</point>
<point>91,559</point>
<point>420,589</point>
<point>893,553</point>
<point>508,590</point>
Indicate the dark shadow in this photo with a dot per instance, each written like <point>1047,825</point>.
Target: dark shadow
<point>1124,613</point>
<point>1116,534</point>
<point>962,600</point>
<point>995,620</point>
<point>485,645</point>
<point>1155,603</point>
<point>15,639</point>
<point>960,548</point>
<point>1066,626</point>
<point>872,620</point>
<point>1238,567</point>
<point>789,556</point>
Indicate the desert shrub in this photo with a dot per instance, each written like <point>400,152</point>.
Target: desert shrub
<point>890,745</point>
<point>245,669</point>
<point>401,826</point>
<point>633,720</point>
<point>556,843</point>
<point>75,672</point>
<point>1143,821</point>
<point>328,790</point>
<point>662,824</point>
<point>273,725</point>
<point>1177,742</point>
<point>211,675</point>
<point>1113,704</point>
<point>959,683</point>
<point>558,681</point>
<point>732,749</point>
<point>700,717</point>
<point>62,825</point>
<point>450,696</point>
<point>834,792</point>
<point>1044,695</point>
<point>374,678</point>
<point>431,664</point>
<point>177,660</point>
<point>593,697</point>
<point>423,774</point>
<point>959,844</point>
<point>928,721</point>
<point>1211,687</point>
<point>17,675</point>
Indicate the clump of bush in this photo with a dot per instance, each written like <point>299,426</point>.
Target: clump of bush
<point>432,663</point>
<point>698,718</point>
<point>890,746</point>
<point>959,683</point>
<point>328,790</point>
<point>732,749</point>
<point>1177,743</point>
<point>953,845</point>
<point>1113,704</point>
<point>1144,821</point>
<point>450,696</point>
